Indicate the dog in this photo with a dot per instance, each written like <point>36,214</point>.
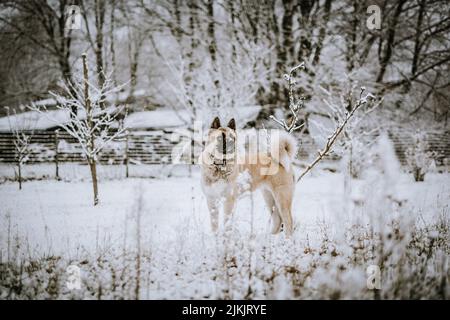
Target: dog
<point>223,165</point>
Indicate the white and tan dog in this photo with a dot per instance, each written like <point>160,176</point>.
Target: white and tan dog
<point>272,172</point>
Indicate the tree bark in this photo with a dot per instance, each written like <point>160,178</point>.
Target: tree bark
<point>305,22</point>
<point>99,23</point>
<point>417,43</point>
<point>388,47</point>
<point>127,151</point>
<point>134,63</point>
<point>286,31</point>
<point>211,32</point>
<point>93,168</point>
<point>91,143</point>
<point>351,39</point>
<point>322,32</point>
<point>112,46</point>
<point>56,155</point>
<point>20,174</point>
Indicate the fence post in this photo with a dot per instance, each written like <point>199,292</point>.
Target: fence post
<point>127,133</point>
<point>192,155</point>
<point>56,154</point>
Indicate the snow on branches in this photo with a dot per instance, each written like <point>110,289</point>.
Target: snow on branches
<point>90,124</point>
<point>340,117</point>
<point>340,125</point>
<point>419,158</point>
<point>89,120</point>
<point>22,134</point>
<point>295,105</point>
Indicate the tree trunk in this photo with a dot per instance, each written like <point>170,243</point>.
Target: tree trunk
<point>419,176</point>
<point>274,94</point>
<point>56,155</point>
<point>190,55</point>
<point>235,31</point>
<point>134,63</point>
<point>322,32</point>
<point>91,147</point>
<point>417,42</point>
<point>93,167</point>
<point>99,22</point>
<point>352,38</point>
<point>388,47</point>
<point>213,50</point>
<point>127,159</point>
<point>177,30</point>
<point>20,174</point>
<point>286,31</point>
<point>282,50</point>
<point>211,32</point>
<point>112,47</point>
<point>307,26</point>
<point>65,43</point>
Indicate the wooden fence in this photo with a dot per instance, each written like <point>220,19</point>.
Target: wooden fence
<point>156,146</point>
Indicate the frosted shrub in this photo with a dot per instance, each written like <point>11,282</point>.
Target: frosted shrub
<point>418,158</point>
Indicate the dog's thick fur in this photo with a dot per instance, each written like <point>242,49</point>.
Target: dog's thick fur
<point>221,180</point>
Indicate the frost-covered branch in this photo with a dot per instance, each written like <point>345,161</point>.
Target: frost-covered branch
<point>363,99</point>
<point>22,134</point>
<point>419,159</point>
<point>85,116</point>
<point>295,105</point>
<point>84,119</point>
<point>198,91</point>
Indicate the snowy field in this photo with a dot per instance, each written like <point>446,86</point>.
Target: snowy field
<point>150,238</point>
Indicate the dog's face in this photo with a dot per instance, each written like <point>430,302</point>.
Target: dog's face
<point>221,144</point>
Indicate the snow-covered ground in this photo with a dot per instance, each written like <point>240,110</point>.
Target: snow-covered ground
<point>151,238</point>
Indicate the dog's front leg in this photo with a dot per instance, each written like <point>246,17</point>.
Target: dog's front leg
<point>228,207</point>
<point>213,213</point>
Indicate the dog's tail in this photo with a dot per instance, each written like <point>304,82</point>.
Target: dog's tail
<point>287,149</point>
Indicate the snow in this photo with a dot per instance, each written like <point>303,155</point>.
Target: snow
<point>181,258</point>
<point>158,119</point>
<point>171,118</point>
<point>33,120</point>
<point>163,118</point>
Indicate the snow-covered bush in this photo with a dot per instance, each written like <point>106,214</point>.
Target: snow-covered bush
<point>22,130</point>
<point>418,157</point>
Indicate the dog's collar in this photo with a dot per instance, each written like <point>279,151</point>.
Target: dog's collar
<point>223,171</point>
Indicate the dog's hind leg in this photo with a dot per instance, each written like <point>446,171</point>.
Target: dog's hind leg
<point>213,213</point>
<point>283,199</point>
<point>276,219</point>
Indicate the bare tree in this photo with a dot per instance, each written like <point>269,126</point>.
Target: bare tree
<point>419,158</point>
<point>42,25</point>
<point>93,126</point>
<point>22,130</point>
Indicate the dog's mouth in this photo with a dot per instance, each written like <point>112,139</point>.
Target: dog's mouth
<point>223,163</point>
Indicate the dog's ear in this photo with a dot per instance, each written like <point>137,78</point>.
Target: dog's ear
<point>216,123</point>
<point>232,124</point>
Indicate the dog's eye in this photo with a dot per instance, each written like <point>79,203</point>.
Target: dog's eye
<point>230,145</point>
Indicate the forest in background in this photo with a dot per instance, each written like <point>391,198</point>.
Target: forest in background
<point>219,55</point>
